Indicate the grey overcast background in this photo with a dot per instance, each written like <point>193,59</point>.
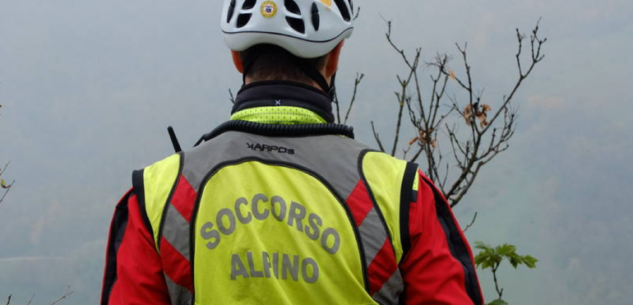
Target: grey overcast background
<point>88,88</point>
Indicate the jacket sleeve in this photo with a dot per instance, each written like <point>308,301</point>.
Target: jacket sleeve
<point>133,273</point>
<point>439,266</point>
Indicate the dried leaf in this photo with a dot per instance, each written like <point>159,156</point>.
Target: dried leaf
<point>468,109</point>
<point>413,141</point>
<point>487,108</point>
<point>481,116</point>
<point>467,119</point>
<point>451,74</point>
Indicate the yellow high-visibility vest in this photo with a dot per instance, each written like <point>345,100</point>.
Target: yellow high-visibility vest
<point>248,219</point>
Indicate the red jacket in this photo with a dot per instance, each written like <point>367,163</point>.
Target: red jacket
<point>438,268</point>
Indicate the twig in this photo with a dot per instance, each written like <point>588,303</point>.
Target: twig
<point>338,109</point>
<point>494,276</point>
<point>66,295</point>
<point>7,191</point>
<point>231,96</point>
<point>7,188</point>
<point>402,97</point>
<point>377,137</point>
<point>9,300</point>
<point>398,125</point>
<point>31,299</point>
<point>536,58</point>
<point>357,13</point>
<point>359,79</point>
<point>471,223</point>
<point>417,154</point>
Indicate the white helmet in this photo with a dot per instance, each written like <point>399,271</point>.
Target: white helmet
<point>305,28</point>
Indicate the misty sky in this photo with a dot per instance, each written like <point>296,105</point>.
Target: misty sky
<point>88,88</point>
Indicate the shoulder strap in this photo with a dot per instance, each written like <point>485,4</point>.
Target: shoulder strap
<point>167,201</point>
<point>384,176</point>
<point>153,186</point>
<point>388,183</point>
<point>408,195</point>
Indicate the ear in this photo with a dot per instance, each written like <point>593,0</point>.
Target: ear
<point>332,64</point>
<point>237,61</point>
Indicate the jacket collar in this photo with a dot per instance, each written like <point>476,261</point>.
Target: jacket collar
<point>284,94</point>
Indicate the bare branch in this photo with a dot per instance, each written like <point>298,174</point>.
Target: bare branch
<point>417,154</point>
<point>3,185</point>
<point>231,97</point>
<point>31,299</point>
<point>472,222</point>
<point>7,191</point>
<point>536,58</point>
<point>398,125</point>
<point>357,14</point>
<point>403,98</point>
<point>377,137</point>
<point>494,276</point>
<point>338,108</point>
<point>65,296</point>
<point>359,79</point>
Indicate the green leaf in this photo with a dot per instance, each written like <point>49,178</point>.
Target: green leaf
<point>485,265</point>
<point>482,246</point>
<point>507,250</point>
<point>483,259</point>
<point>515,262</point>
<point>530,261</point>
<point>3,184</point>
<point>498,302</point>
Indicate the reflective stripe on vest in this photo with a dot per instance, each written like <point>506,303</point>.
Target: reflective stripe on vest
<point>173,206</point>
<point>368,183</point>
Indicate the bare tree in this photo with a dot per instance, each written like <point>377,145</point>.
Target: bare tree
<point>437,114</point>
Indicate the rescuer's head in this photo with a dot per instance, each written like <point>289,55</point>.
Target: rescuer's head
<point>296,40</point>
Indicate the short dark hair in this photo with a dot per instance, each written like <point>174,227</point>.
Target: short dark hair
<point>275,63</point>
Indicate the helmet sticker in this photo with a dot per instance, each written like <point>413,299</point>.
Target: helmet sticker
<point>269,9</point>
<point>327,2</point>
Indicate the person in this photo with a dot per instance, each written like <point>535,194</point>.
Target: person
<point>280,205</point>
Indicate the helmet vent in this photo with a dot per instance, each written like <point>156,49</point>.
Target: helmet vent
<point>347,16</point>
<point>249,4</point>
<point>231,11</point>
<point>292,7</point>
<point>297,24</point>
<point>243,20</point>
<point>316,19</point>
